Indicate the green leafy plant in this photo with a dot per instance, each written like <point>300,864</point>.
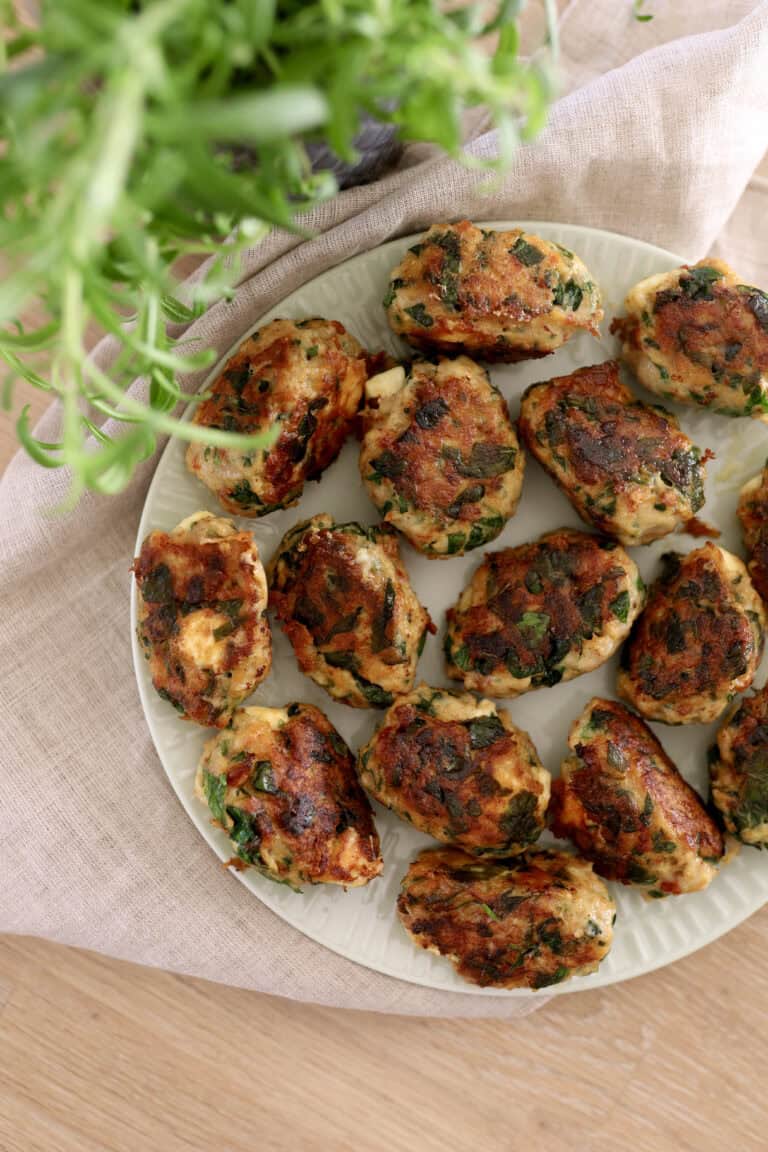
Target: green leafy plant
<point>142,131</point>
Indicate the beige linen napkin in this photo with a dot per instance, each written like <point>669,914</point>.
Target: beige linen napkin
<point>95,850</point>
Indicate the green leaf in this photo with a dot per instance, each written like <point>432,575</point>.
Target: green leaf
<point>418,312</point>
<point>215,788</point>
<point>535,623</point>
<point>484,731</point>
<point>568,295</point>
<point>520,823</point>
<point>526,253</point>
<point>485,460</point>
<point>256,117</point>
<point>620,607</point>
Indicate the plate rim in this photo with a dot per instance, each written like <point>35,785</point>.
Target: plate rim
<point>589,983</point>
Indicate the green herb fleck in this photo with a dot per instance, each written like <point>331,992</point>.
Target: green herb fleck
<point>526,253</point>
<point>215,789</point>
<point>419,313</point>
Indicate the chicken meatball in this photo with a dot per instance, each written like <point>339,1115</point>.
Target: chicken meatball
<point>699,336</point>
<point>347,607</point>
<point>304,378</point>
<point>738,770</point>
<point>495,295</point>
<point>528,922</point>
<point>698,642</point>
<point>440,457</point>
<point>626,807</point>
<point>541,613</point>
<point>281,783</point>
<point>458,770</point>
<point>753,514</point>
<point>202,616</point>
<point>626,467</point>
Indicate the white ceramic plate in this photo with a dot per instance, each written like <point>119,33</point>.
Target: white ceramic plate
<point>361,924</point>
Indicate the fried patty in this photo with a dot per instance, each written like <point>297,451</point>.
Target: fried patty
<point>540,613</point>
<point>698,642</point>
<point>753,515</point>
<point>528,922</point>
<point>458,770</point>
<point>495,295</point>
<point>346,605</point>
<point>440,457</point>
<point>698,335</point>
<point>626,467</point>
<point>304,378</point>
<point>281,783</point>
<point>626,807</point>
<point>202,616</point>
<point>738,770</point>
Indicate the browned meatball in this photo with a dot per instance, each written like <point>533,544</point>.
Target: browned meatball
<point>440,456</point>
<point>202,616</point>
<point>753,514</point>
<point>304,378</point>
<point>697,335</point>
<point>738,769</point>
<point>458,770</point>
<point>528,922</point>
<point>281,783</point>
<point>540,613</point>
<point>698,642</point>
<point>347,607</point>
<point>626,467</point>
<point>495,295</point>
<point>627,808</point>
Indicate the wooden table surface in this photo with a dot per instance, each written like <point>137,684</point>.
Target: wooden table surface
<point>102,1056</point>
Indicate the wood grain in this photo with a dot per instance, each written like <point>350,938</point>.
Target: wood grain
<point>102,1056</point>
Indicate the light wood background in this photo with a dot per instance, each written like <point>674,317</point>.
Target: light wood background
<point>102,1056</point>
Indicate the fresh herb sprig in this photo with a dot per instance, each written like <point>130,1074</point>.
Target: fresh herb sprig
<point>141,131</point>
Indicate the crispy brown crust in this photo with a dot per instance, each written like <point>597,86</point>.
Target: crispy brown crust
<point>307,377</point>
<point>528,922</point>
<point>177,576</point>
<point>739,770</point>
<point>450,439</point>
<point>532,605</point>
<point>476,783</point>
<point>611,454</point>
<point>308,819</point>
<point>626,807</point>
<point>701,331</point>
<point>702,338</point>
<point>339,618</point>
<point>753,516</point>
<point>695,644</point>
<point>489,294</point>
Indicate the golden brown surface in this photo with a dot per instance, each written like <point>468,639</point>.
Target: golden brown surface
<point>625,466</point>
<point>753,515</point>
<point>202,617</point>
<point>738,770</point>
<point>530,922</point>
<point>307,376</point>
<point>495,295</point>
<point>440,458</point>
<point>699,335</point>
<point>540,613</point>
<point>343,597</point>
<point>625,806</point>
<point>458,770</point>
<point>698,641</point>
<point>282,785</point>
